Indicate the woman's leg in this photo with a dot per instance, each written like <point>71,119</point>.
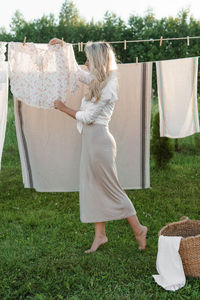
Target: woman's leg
<point>139,230</point>
<point>100,237</point>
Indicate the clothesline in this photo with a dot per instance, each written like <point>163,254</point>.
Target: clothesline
<point>39,74</point>
<point>161,39</point>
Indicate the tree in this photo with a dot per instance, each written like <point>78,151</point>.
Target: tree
<point>74,29</point>
<point>69,15</point>
<point>17,22</point>
<point>44,28</point>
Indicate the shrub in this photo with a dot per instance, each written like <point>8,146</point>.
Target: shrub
<point>197,142</point>
<point>161,147</point>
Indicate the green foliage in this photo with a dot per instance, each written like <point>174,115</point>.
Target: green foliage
<point>42,240</point>
<point>161,147</point>
<point>17,22</point>
<point>73,28</point>
<point>197,141</point>
<point>69,15</point>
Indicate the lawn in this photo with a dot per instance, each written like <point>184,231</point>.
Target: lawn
<point>42,240</point>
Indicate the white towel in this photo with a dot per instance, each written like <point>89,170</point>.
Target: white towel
<point>177,96</point>
<point>3,103</point>
<point>169,264</point>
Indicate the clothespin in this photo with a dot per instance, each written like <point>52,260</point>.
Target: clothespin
<point>62,41</point>
<point>124,44</point>
<point>24,41</point>
<point>188,41</point>
<point>161,39</point>
<point>136,60</point>
<point>79,47</point>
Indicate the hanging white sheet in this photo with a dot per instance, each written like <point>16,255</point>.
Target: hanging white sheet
<point>177,95</point>
<point>40,73</point>
<point>50,145</point>
<point>3,95</point>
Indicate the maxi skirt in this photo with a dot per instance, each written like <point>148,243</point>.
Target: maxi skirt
<point>101,196</point>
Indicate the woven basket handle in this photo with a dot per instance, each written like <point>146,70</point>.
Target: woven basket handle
<point>184,218</point>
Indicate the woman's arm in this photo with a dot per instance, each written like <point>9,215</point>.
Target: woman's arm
<point>83,76</point>
<point>89,115</point>
<point>62,107</point>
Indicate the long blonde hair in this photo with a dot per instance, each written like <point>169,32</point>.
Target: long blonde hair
<point>102,64</point>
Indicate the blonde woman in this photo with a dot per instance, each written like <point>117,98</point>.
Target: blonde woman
<point>101,196</point>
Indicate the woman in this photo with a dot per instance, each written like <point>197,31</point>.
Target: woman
<point>101,196</point>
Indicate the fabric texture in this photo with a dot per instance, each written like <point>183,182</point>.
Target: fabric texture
<point>130,124</point>
<point>169,264</point>
<point>100,112</point>
<point>50,144</point>
<point>40,73</point>
<point>3,95</point>
<point>2,51</point>
<point>177,95</point>
<point>101,196</point>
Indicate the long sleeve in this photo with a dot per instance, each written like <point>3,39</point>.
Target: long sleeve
<point>78,76</point>
<point>100,112</point>
<point>84,76</point>
<point>89,115</point>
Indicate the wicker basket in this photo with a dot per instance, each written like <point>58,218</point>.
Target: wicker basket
<point>190,243</point>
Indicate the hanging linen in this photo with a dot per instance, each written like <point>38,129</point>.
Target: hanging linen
<point>40,73</point>
<point>130,124</point>
<point>3,95</point>
<point>177,97</point>
<point>50,144</point>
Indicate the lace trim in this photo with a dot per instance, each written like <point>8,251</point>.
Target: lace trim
<point>2,51</point>
<point>3,73</point>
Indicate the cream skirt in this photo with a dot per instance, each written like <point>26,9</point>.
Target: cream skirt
<point>101,196</point>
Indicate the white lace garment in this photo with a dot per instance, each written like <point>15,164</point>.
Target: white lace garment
<point>2,51</point>
<point>41,73</point>
<point>3,75</point>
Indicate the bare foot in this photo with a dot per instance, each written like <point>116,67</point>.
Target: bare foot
<point>141,238</point>
<point>97,243</point>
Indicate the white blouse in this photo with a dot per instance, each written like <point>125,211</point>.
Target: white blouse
<point>41,73</point>
<point>100,112</point>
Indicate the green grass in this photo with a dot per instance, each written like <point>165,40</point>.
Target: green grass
<point>42,240</point>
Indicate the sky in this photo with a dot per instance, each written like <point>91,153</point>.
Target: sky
<point>33,9</point>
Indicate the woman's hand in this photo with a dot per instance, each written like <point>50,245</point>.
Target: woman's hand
<point>62,107</point>
<point>59,105</point>
<point>55,41</point>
